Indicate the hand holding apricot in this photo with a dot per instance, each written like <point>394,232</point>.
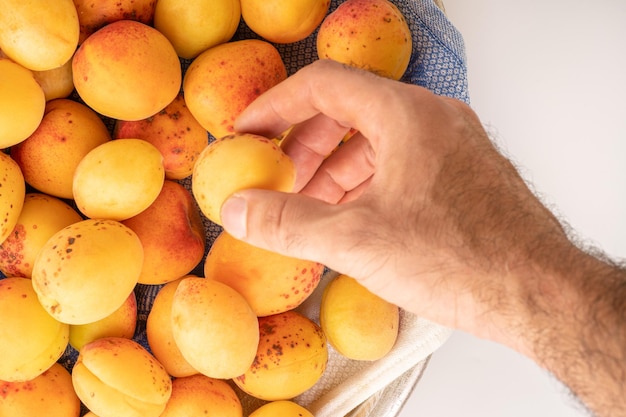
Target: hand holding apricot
<point>379,197</point>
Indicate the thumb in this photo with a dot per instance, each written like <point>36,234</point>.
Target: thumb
<point>291,224</point>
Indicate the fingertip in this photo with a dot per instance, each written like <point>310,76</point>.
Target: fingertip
<point>261,118</point>
<point>242,122</point>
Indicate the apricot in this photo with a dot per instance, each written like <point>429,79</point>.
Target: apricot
<point>118,179</point>
<point>87,270</point>
<point>121,323</point>
<point>291,358</point>
<point>282,408</point>
<point>22,103</point>
<point>199,395</point>
<point>358,324</point>
<point>208,316</point>
<point>56,82</point>
<point>31,340</point>
<point>39,34</point>
<point>270,282</point>
<point>160,335</point>
<point>193,26</point>
<point>174,132</point>
<point>237,162</point>
<point>127,70</point>
<point>12,196</point>
<point>117,377</point>
<point>369,34</point>
<point>171,233</point>
<point>49,157</point>
<point>40,218</point>
<point>225,79</point>
<point>95,14</point>
<point>50,394</point>
<point>284,21</point>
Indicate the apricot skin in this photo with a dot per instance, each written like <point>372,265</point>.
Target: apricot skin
<point>270,282</point>
<point>290,359</point>
<point>82,262</point>
<point>50,394</point>
<point>223,80</point>
<point>358,324</point>
<point>369,34</point>
<point>237,162</point>
<point>199,395</point>
<point>208,316</point>
<point>117,377</point>
<point>127,70</point>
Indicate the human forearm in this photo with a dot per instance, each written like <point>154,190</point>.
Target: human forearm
<point>577,328</point>
<point>537,292</point>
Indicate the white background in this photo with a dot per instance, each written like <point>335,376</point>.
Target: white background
<point>548,78</point>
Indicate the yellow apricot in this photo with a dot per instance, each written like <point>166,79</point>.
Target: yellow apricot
<point>121,323</point>
<point>282,408</point>
<point>358,324</point>
<point>369,34</point>
<point>39,34</point>
<point>40,218</point>
<point>237,162</point>
<point>223,80</point>
<point>56,82</point>
<point>193,26</point>
<point>95,14</point>
<point>50,394</point>
<point>270,282</point>
<point>118,179</point>
<point>208,316</point>
<point>160,335</point>
<point>87,270</point>
<point>199,395</point>
<point>291,357</point>
<point>284,21</point>
<point>22,103</point>
<point>31,340</point>
<point>127,70</point>
<point>12,196</point>
<point>117,377</point>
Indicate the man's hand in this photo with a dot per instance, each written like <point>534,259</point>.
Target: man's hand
<point>418,205</point>
<point>422,209</point>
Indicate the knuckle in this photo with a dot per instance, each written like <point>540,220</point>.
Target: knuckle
<point>280,226</point>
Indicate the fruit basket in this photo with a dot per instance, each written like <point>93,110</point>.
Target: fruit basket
<point>356,388</point>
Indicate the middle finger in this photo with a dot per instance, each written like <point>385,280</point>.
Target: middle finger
<point>309,143</point>
<point>346,169</point>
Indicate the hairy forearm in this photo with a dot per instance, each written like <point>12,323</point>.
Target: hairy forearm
<point>532,288</point>
<point>575,325</point>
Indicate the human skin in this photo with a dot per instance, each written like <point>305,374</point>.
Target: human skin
<point>423,210</point>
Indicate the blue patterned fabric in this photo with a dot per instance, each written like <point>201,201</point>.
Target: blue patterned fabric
<point>438,59</point>
<point>437,63</point>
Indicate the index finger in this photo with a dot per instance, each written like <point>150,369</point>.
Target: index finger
<point>353,98</point>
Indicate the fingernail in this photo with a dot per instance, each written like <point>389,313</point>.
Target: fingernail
<point>234,216</point>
